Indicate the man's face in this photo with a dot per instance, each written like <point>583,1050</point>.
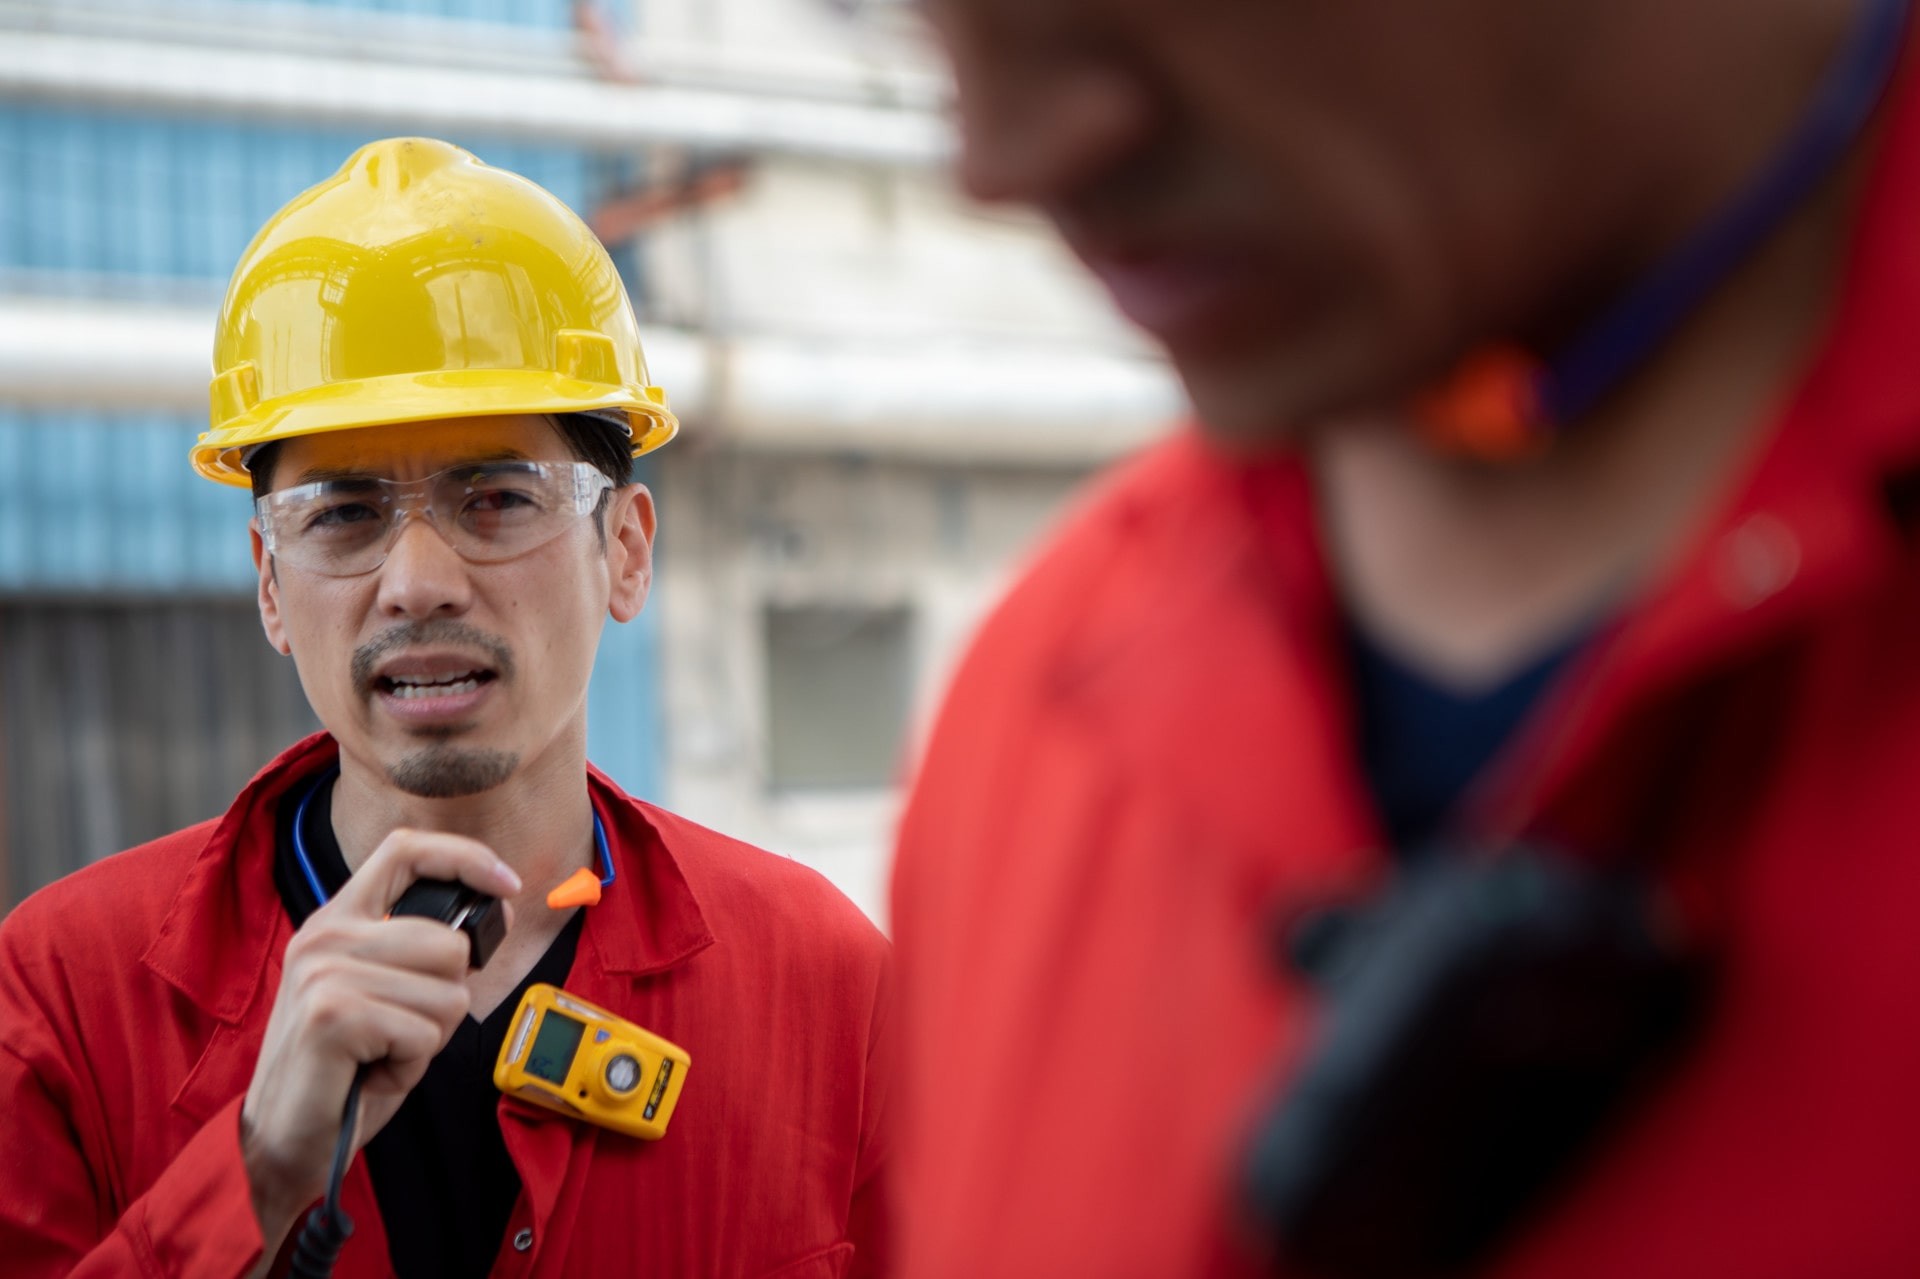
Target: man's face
<point>1308,201</point>
<point>445,676</point>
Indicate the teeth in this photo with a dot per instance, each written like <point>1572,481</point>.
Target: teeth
<point>407,689</point>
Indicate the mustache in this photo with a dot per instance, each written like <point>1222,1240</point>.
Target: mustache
<point>436,630</point>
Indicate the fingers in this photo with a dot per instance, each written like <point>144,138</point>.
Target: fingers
<point>358,989</point>
<point>406,855</point>
<point>416,945</point>
<point>369,1011</point>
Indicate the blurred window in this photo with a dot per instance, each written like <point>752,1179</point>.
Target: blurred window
<point>839,680</point>
<point>123,720</point>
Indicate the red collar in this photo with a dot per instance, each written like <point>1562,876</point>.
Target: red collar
<point>220,941</point>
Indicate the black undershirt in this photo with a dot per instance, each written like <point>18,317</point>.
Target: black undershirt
<point>440,1169</point>
<point>1423,741</point>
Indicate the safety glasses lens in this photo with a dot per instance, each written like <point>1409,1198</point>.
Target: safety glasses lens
<point>488,512</point>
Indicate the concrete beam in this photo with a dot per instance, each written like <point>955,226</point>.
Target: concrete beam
<point>252,84</point>
<point>957,401</point>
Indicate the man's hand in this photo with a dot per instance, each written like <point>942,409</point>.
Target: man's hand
<point>357,988</point>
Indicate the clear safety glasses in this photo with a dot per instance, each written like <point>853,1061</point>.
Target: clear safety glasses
<point>486,511</point>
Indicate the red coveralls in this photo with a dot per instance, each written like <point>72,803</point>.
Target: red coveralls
<point>134,994</point>
<point>1145,764</point>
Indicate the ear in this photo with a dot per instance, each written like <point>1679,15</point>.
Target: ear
<point>630,551</point>
<point>269,593</point>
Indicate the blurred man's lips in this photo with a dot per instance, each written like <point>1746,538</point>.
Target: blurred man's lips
<point>1179,295</point>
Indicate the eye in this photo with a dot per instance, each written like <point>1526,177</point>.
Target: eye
<point>340,515</point>
<point>499,501</point>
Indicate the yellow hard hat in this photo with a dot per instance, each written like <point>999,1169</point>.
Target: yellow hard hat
<point>419,283</point>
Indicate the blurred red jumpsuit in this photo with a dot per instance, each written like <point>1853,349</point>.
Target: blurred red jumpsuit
<point>1144,768</point>
<point>133,997</point>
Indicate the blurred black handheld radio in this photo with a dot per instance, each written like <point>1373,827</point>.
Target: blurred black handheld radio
<point>1482,1022</point>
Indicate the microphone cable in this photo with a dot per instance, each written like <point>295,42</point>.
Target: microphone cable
<point>327,1228</point>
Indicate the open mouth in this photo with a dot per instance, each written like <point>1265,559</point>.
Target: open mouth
<point>451,684</point>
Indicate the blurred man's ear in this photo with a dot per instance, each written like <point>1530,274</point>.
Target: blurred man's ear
<point>630,551</point>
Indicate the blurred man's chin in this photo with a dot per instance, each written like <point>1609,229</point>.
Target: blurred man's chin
<point>1255,404</point>
<point>1242,405</point>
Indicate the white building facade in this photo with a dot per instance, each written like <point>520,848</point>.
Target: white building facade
<point>887,393</point>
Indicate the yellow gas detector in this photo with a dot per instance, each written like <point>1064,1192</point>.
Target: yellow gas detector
<point>567,1055</point>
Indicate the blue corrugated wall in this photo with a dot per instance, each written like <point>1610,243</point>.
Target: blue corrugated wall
<point>96,204</point>
<point>175,201</point>
<point>554,14</point>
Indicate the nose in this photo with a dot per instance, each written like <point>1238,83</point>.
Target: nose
<point>423,576</point>
<point>1039,129</point>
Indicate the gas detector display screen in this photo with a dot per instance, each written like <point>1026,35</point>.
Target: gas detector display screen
<point>553,1046</point>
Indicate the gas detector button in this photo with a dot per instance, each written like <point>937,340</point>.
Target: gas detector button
<point>623,1073</point>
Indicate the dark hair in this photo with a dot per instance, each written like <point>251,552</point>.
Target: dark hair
<point>608,448</point>
<point>589,438</point>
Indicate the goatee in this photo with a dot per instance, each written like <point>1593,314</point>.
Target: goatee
<point>450,772</point>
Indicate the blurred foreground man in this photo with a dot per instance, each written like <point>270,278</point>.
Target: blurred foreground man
<point>429,373</point>
<point>1454,811</point>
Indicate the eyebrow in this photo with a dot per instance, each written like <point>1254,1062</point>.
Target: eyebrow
<point>349,474</point>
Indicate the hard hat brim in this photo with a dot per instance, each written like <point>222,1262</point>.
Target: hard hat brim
<point>419,397</point>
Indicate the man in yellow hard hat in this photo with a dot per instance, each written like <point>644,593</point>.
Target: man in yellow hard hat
<point>428,372</point>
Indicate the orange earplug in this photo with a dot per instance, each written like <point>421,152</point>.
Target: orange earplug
<point>1487,409</point>
<point>582,888</point>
